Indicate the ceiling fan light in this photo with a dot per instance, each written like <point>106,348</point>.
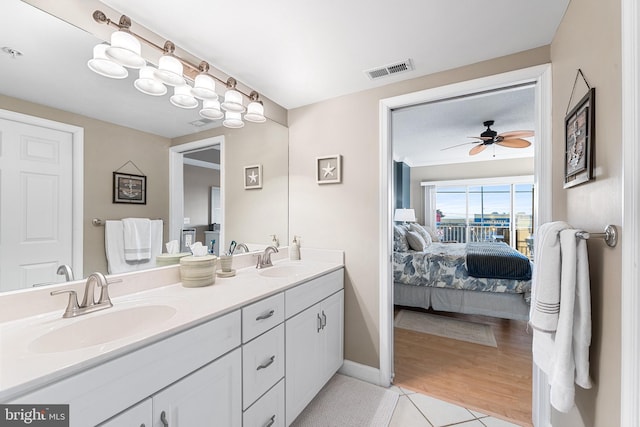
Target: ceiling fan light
<point>182,97</point>
<point>204,87</point>
<point>211,109</point>
<point>170,71</point>
<point>104,66</point>
<point>148,84</point>
<point>255,112</point>
<point>232,120</point>
<point>233,101</point>
<point>125,49</point>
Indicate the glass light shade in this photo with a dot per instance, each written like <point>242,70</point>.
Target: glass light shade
<point>125,50</point>
<point>170,71</point>
<point>147,83</point>
<point>406,215</point>
<point>211,109</point>
<point>232,120</point>
<point>233,101</point>
<point>255,113</point>
<point>182,97</point>
<point>104,66</point>
<point>204,87</point>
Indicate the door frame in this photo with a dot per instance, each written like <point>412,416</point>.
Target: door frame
<point>77,170</point>
<point>541,75</point>
<point>176,183</point>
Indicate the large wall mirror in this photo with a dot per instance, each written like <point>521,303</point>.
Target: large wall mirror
<point>44,75</point>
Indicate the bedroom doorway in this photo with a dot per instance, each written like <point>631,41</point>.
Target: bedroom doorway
<point>536,77</point>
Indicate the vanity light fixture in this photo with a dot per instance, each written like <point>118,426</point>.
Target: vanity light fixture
<point>110,60</point>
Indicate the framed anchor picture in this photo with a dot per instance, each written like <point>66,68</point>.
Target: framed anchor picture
<point>329,169</point>
<point>129,188</point>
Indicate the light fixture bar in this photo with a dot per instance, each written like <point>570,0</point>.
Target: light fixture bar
<point>203,68</point>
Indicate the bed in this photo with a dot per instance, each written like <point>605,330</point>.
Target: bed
<point>437,275</point>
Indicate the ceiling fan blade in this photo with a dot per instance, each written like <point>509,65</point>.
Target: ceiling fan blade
<point>459,145</point>
<point>517,134</point>
<point>477,149</point>
<point>514,143</point>
<point>481,138</point>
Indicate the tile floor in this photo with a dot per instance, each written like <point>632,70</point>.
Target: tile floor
<point>418,410</point>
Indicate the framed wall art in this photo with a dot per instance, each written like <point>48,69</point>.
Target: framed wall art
<point>329,169</point>
<point>252,177</point>
<point>129,188</point>
<point>580,141</point>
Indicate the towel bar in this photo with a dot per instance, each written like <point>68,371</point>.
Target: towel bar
<point>610,235</point>
<point>99,222</point>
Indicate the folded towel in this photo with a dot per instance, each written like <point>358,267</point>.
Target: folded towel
<point>545,290</point>
<point>114,247</point>
<point>137,239</point>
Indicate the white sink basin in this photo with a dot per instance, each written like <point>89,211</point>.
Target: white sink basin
<point>101,327</point>
<point>283,271</point>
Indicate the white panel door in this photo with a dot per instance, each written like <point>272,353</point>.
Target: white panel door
<point>35,204</point>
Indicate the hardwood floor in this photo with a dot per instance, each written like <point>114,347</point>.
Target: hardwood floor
<point>495,381</point>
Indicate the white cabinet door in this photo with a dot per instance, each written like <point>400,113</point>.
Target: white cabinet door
<point>136,416</point>
<point>211,396</point>
<point>332,314</point>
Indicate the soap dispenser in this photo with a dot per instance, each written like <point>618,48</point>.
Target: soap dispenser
<point>274,241</point>
<point>294,250</point>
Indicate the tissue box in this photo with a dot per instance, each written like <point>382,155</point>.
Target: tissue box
<point>170,259</point>
<point>197,271</point>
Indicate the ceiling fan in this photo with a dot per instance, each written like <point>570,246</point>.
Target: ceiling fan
<point>512,139</point>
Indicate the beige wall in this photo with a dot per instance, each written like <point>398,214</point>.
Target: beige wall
<point>251,216</point>
<point>487,169</point>
<point>107,147</point>
<point>589,38</point>
<point>346,216</point>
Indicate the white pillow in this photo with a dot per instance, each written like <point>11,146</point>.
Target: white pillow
<point>432,233</point>
<point>415,240</point>
<point>421,231</point>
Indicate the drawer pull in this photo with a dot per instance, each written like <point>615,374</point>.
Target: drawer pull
<point>271,421</point>
<point>265,316</point>
<point>267,363</point>
<point>163,419</point>
<point>324,319</point>
<point>319,323</point>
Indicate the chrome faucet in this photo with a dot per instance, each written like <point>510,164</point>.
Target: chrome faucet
<point>65,270</point>
<point>243,247</point>
<point>89,303</point>
<point>264,260</point>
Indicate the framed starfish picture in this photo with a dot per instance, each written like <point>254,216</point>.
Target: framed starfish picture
<point>252,177</point>
<point>329,169</point>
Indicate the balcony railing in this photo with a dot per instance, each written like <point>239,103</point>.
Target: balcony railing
<point>486,233</point>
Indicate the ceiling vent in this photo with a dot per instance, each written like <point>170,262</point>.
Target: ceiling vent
<point>391,69</point>
<point>201,122</point>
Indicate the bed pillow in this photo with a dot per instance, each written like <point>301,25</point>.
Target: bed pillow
<point>416,241</point>
<point>432,233</point>
<point>422,232</point>
<point>400,243</point>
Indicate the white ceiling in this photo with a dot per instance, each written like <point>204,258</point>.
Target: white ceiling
<point>293,52</point>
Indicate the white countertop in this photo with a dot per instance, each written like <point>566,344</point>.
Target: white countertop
<point>24,369</point>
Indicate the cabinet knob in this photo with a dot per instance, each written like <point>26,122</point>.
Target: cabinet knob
<point>163,419</point>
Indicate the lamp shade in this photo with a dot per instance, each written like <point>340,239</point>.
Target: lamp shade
<point>405,215</point>
<point>170,71</point>
<point>182,97</point>
<point>255,112</point>
<point>125,49</point>
<point>204,87</point>
<point>232,120</point>
<point>233,101</point>
<point>147,83</point>
<point>104,66</point>
<point>211,109</point>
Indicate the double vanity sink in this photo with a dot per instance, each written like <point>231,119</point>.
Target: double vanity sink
<point>43,349</point>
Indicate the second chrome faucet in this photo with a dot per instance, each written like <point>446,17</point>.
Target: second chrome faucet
<point>264,260</point>
<point>89,304</point>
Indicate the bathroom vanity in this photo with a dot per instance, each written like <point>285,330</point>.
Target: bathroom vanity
<point>251,350</point>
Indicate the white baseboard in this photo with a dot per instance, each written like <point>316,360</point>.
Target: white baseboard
<point>362,372</point>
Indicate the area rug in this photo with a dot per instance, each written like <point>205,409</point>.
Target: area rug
<point>446,327</point>
<point>346,401</point>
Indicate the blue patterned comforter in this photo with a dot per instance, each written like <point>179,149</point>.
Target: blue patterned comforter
<point>442,265</point>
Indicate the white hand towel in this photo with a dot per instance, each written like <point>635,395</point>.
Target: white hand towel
<point>545,291</point>
<point>114,247</point>
<point>137,239</point>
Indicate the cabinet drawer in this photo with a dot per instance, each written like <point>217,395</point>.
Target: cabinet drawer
<point>262,364</point>
<point>268,411</point>
<point>307,294</point>
<point>262,316</point>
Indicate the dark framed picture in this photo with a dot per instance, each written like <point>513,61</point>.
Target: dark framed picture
<point>252,177</point>
<point>580,141</point>
<point>129,188</point>
<point>329,169</point>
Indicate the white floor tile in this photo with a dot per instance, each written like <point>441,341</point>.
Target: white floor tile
<point>476,413</point>
<point>474,423</point>
<point>440,413</point>
<point>407,415</point>
<point>495,422</point>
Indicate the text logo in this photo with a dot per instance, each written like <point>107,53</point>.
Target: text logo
<point>34,415</point>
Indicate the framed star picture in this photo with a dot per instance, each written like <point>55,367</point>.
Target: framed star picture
<point>252,177</point>
<point>329,169</point>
